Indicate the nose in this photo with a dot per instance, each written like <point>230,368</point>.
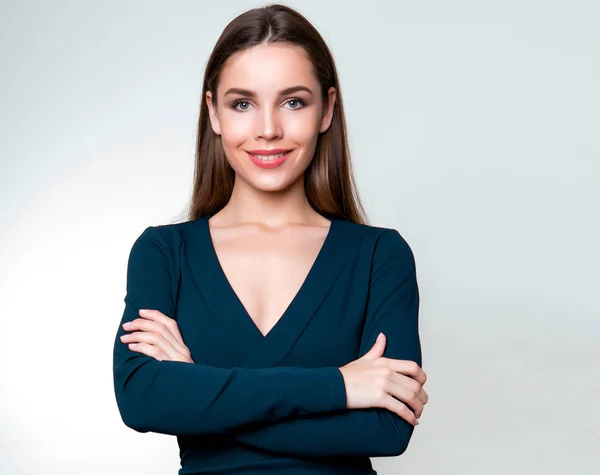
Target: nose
<point>268,125</point>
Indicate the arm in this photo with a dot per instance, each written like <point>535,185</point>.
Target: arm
<point>392,309</point>
<point>177,398</point>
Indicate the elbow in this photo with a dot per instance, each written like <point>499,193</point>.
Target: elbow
<point>131,415</point>
<point>135,425</point>
<point>394,444</point>
<point>130,404</point>
<point>398,444</point>
<point>395,435</point>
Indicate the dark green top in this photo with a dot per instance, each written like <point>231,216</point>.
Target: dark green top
<point>254,404</point>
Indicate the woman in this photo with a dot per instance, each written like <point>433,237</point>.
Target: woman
<point>274,331</point>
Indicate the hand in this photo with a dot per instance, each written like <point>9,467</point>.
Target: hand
<point>159,337</point>
<point>375,381</point>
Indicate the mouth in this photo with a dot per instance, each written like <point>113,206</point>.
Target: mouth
<point>265,159</point>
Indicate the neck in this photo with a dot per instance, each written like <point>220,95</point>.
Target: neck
<point>270,208</point>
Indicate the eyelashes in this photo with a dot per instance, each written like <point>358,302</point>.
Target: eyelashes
<point>301,103</point>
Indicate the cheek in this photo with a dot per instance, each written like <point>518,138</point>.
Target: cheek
<point>235,129</point>
<point>302,129</point>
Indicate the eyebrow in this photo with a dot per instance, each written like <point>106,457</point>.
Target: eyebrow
<point>252,94</point>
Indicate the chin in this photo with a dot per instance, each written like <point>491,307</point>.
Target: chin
<point>271,184</point>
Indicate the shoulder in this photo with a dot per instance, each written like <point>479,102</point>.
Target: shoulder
<point>163,241</point>
<point>382,242</point>
<point>168,234</point>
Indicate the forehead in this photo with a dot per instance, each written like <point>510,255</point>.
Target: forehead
<point>268,68</point>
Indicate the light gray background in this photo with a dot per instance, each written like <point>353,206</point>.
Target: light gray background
<point>474,130</point>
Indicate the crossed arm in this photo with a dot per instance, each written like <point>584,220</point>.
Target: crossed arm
<point>303,412</point>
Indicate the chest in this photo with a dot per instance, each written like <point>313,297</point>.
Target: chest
<point>265,272</point>
<point>301,298</point>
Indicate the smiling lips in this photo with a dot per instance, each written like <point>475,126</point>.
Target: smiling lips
<point>269,158</point>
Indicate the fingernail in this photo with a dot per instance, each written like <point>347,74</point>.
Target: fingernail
<point>143,310</point>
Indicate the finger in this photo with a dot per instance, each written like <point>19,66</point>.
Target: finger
<point>167,351</point>
<point>152,326</point>
<point>414,386</point>
<point>160,317</point>
<point>377,349</point>
<point>401,409</point>
<point>406,390</point>
<point>424,396</point>
<point>152,339</point>
<point>149,350</point>
<point>409,368</point>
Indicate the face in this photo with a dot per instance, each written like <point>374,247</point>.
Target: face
<point>269,113</point>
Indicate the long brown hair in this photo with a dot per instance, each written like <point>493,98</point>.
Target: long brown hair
<point>329,182</point>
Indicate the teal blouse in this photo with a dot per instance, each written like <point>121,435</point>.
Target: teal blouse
<point>254,404</point>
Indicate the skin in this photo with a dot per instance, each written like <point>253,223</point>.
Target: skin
<point>268,215</point>
<point>268,121</point>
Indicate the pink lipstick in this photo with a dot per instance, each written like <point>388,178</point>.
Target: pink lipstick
<point>269,158</point>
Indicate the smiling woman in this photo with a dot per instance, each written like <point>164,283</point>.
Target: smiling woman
<point>288,119</point>
<point>274,331</point>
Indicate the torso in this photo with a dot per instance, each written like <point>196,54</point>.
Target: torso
<point>266,268</point>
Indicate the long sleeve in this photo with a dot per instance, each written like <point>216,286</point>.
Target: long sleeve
<point>179,398</point>
<point>392,308</point>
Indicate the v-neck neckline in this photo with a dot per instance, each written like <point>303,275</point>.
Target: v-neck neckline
<point>317,266</point>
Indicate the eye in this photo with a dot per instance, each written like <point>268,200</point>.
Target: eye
<point>295,100</point>
<point>241,102</point>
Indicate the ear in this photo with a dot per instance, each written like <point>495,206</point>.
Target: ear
<point>212,113</point>
<point>328,110</point>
